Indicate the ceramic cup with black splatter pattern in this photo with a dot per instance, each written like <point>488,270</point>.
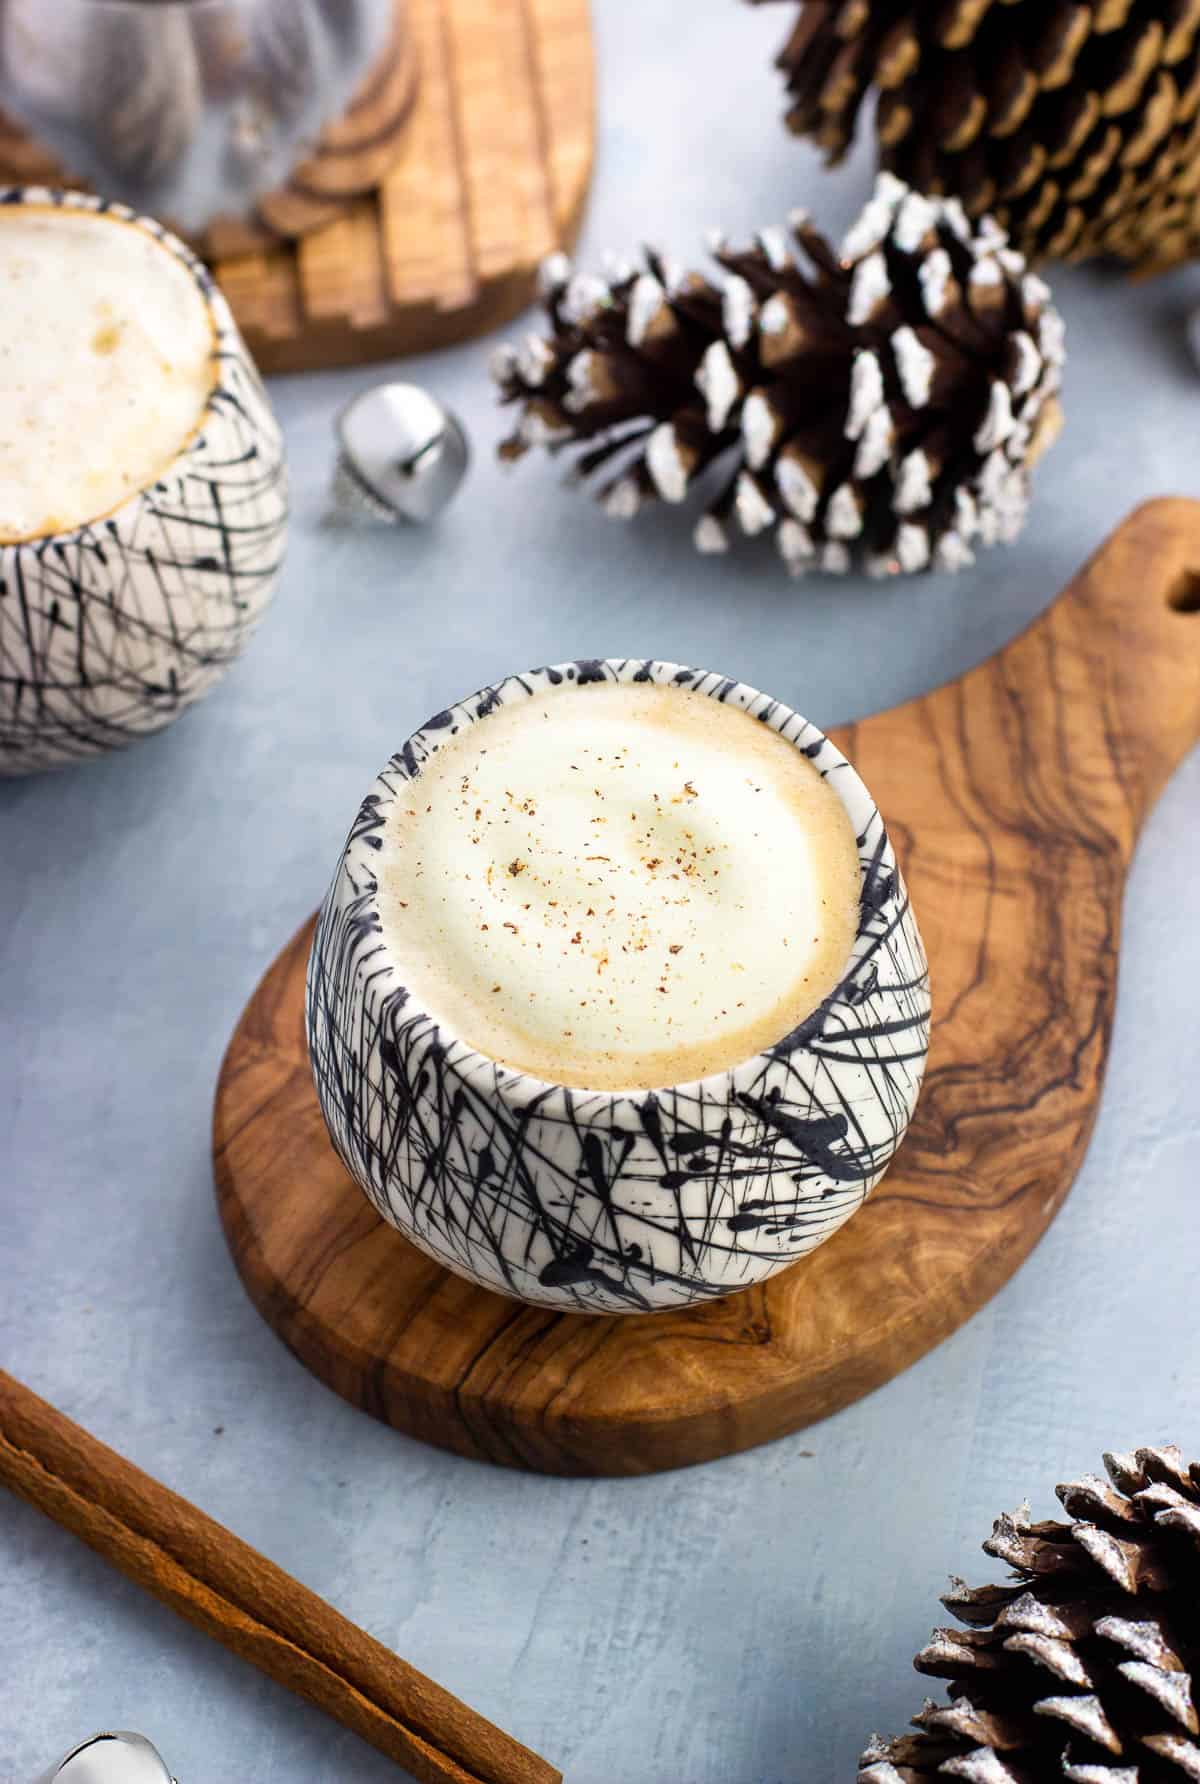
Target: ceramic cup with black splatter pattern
<point>617,1001</point>
<point>143,495</point>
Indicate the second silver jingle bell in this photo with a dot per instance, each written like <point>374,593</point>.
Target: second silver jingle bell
<point>117,1757</point>
<point>401,455</point>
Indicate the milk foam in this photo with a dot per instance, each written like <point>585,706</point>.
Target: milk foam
<point>619,886</point>
<point>106,364</point>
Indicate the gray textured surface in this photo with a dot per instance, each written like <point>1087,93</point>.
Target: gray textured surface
<point>743,1623</point>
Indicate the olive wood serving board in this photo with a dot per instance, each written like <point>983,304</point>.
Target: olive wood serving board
<point>1014,797</point>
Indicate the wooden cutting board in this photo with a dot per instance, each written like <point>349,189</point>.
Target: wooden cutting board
<point>1014,797</point>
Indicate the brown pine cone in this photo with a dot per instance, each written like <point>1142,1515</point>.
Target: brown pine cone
<point>1075,123</point>
<point>880,403</point>
<point>1081,1669</point>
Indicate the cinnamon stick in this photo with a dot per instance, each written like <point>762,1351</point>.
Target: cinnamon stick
<point>248,1604</point>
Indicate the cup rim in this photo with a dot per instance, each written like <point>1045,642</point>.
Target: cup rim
<point>220,321</point>
<point>878,870</point>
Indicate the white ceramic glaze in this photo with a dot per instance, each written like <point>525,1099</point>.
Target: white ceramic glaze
<point>112,628</point>
<point>615,1202</point>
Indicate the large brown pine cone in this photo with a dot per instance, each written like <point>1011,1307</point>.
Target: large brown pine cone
<point>1081,1669</point>
<point>1075,123</point>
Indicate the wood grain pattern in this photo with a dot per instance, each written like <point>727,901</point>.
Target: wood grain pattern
<point>474,182</point>
<point>231,1592</point>
<point>1014,797</point>
<point>491,175</point>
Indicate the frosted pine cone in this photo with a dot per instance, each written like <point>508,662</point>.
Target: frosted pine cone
<point>1081,1669</point>
<point>881,403</point>
<point>1075,123</point>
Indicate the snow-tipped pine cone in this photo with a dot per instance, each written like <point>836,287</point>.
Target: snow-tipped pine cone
<point>879,404</point>
<point>1080,1670</point>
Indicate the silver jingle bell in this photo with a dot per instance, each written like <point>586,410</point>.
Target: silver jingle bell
<point>119,1757</point>
<point>401,455</point>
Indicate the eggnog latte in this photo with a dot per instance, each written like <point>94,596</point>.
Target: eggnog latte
<point>618,886</point>
<point>107,361</point>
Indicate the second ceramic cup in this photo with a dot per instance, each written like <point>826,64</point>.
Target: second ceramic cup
<point>611,1201</point>
<point>123,597</point>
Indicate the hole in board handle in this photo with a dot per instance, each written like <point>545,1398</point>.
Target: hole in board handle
<point>1184,593</point>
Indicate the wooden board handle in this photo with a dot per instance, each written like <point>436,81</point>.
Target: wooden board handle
<point>1090,710</point>
<point>1137,603</point>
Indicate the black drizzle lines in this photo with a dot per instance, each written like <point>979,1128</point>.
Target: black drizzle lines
<point>602,1203</point>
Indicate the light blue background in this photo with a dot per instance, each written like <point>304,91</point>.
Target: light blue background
<point>749,1622</point>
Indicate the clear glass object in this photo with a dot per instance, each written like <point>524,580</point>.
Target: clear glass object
<point>185,109</point>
